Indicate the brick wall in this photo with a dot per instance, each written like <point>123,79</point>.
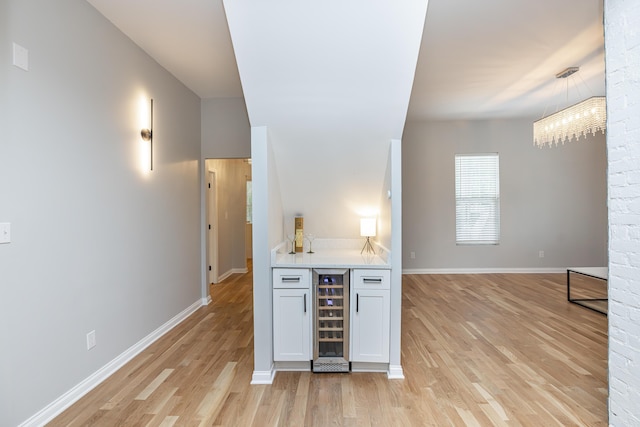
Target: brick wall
<point>622,44</point>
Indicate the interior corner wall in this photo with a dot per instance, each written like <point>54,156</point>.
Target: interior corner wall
<point>226,133</point>
<point>276,213</point>
<point>322,173</point>
<point>622,56</point>
<point>552,199</point>
<point>98,244</point>
<point>384,217</point>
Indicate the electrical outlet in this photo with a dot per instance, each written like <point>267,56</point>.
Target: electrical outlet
<point>5,232</point>
<point>20,57</point>
<point>540,254</point>
<point>91,340</point>
<point>413,255</point>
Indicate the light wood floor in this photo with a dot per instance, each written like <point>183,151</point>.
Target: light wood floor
<point>477,350</point>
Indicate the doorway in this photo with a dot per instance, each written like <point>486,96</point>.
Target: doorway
<point>227,218</point>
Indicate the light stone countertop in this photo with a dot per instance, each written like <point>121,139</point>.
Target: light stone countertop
<point>330,258</point>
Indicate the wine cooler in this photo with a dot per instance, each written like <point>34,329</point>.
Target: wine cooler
<point>331,328</point>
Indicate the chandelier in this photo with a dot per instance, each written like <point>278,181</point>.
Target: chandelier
<point>581,119</point>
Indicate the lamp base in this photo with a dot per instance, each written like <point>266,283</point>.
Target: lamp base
<point>368,247</point>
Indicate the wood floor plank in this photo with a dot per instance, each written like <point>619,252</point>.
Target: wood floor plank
<point>144,394</point>
<point>300,400</point>
<point>487,350</point>
<point>168,421</point>
<point>211,404</point>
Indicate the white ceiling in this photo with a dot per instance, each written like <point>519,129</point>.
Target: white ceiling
<point>478,59</point>
<point>499,58</point>
<point>304,68</point>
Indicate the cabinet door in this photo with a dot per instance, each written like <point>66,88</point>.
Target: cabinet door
<point>370,326</point>
<point>291,325</point>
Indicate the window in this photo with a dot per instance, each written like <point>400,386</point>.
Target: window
<point>249,202</point>
<point>477,199</point>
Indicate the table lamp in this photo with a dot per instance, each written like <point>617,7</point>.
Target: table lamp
<point>368,230</point>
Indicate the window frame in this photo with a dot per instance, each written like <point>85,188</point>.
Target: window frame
<point>478,201</point>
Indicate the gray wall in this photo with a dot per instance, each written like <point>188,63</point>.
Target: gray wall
<point>97,244</point>
<point>552,199</point>
<point>622,19</point>
<point>225,129</point>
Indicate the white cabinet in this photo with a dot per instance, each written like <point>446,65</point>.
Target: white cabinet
<point>370,312</point>
<point>292,314</point>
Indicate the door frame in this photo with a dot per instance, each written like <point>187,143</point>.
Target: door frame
<point>211,226</point>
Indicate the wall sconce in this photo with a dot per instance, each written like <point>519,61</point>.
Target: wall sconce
<point>147,135</point>
<point>368,229</point>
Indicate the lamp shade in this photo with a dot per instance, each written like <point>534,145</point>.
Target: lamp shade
<point>367,227</point>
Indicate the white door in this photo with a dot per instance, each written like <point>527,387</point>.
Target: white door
<point>212,228</point>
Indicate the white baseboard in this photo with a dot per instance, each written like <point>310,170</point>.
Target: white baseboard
<point>224,276</point>
<point>207,300</point>
<point>395,372</point>
<point>56,407</point>
<point>263,377</point>
<point>232,271</point>
<point>483,270</point>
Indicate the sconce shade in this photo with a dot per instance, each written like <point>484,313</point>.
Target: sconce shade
<point>147,134</point>
<point>367,227</point>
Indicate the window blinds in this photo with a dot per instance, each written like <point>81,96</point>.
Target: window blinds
<point>477,199</point>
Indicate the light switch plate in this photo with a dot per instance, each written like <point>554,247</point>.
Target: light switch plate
<point>20,57</point>
<point>5,232</point>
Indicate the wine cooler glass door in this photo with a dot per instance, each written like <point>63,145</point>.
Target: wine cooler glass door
<point>331,325</point>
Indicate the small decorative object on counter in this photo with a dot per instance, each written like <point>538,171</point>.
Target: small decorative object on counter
<point>291,238</point>
<point>310,238</point>
<point>299,222</point>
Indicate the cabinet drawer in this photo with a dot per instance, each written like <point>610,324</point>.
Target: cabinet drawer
<point>284,278</point>
<point>371,279</point>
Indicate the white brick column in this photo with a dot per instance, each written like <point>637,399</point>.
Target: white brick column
<point>622,44</point>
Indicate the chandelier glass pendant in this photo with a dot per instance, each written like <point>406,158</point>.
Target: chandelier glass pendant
<point>581,119</point>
